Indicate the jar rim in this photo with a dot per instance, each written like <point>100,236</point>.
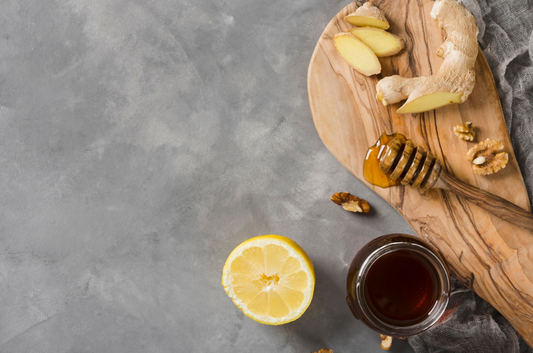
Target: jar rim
<point>436,311</point>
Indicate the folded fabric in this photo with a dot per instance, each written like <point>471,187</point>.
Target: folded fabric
<point>469,325</point>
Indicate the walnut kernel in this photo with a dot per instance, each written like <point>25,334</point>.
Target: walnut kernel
<point>325,351</point>
<point>465,132</point>
<point>487,157</point>
<point>479,160</point>
<point>350,203</point>
<point>386,342</point>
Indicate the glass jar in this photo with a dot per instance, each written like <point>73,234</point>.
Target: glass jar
<point>398,285</point>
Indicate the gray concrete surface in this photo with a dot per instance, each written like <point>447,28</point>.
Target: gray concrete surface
<point>140,142</point>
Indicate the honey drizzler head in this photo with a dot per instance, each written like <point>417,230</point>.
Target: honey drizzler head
<point>410,164</point>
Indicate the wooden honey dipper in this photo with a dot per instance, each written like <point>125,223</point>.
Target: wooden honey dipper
<point>420,169</point>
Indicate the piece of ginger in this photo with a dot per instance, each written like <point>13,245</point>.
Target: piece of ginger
<point>380,41</point>
<point>357,54</point>
<point>368,15</point>
<point>456,77</point>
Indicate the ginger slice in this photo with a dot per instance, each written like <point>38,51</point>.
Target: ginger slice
<point>368,15</point>
<point>357,54</point>
<point>455,79</point>
<point>430,101</point>
<point>381,42</point>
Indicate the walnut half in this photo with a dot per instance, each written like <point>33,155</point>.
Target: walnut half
<point>386,342</point>
<point>487,157</point>
<point>350,202</point>
<point>465,132</point>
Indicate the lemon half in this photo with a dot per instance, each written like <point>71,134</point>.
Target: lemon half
<point>270,278</point>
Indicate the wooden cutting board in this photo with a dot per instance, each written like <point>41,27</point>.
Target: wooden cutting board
<point>491,256</point>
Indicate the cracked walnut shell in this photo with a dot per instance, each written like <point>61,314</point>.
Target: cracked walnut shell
<point>465,132</point>
<point>350,203</point>
<point>487,157</point>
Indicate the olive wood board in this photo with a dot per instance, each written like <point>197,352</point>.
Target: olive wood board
<point>491,256</point>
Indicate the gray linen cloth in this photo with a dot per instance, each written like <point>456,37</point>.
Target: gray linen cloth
<point>470,325</point>
<point>506,37</point>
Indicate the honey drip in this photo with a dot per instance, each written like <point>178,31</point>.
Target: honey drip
<point>371,167</point>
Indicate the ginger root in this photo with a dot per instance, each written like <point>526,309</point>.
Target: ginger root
<point>381,42</point>
<point>455,79</point>
<point>357,54</point>
<point>368,15</point>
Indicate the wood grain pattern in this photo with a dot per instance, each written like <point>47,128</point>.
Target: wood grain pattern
<point>490,255</point>
<point>489,202</point>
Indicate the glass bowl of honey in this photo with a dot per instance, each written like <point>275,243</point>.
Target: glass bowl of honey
<point>398,285</point>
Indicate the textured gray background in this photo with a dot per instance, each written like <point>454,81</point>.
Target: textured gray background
<point>140,142</point>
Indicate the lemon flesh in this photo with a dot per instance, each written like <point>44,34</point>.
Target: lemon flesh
<point>270,278</point>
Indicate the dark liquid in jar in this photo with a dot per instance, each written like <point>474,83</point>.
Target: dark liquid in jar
<point>401,288</point>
